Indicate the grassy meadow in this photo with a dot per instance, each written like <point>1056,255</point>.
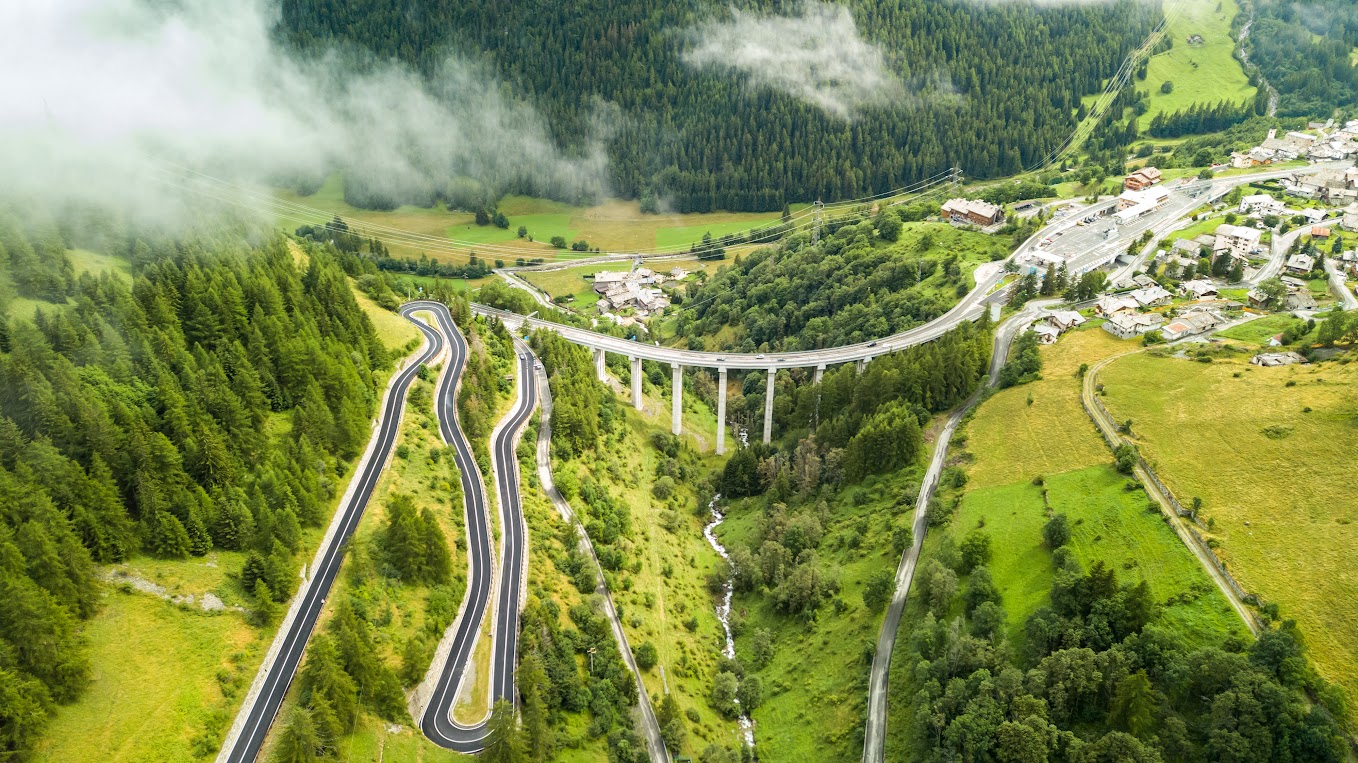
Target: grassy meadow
<point>1206,73</point>
<point>1269,451</point>
<point>612,225</point>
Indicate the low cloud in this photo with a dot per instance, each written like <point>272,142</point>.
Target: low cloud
<point>817,56</point>
<point>103,96</point>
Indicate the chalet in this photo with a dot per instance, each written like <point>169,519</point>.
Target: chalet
<point>1257,299</point>
<point>1065,320</point>
<point>1198,289</point>
<point>1141,280</point>
<point>1046,333</point>
<point>1152,296</point>
<point>1187,247</point>
<point>971,212</point>
<point>1128,325</point>
<point>1320,231</point>
<point>1142,179</point>
<point>1192,323</point>
<point>1110,305</point>
<point>1301,264</point>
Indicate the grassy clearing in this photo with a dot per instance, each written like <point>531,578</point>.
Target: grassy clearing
<point>1196,229</point>
<point>1261,330</point>
<point>1015,441</point>
<point>1202,73</point>
<point>612,225</point>
<point>1110,523</point>
<point>393,329</point>
<point>1276,482</point>
<point>665,594</point>
<point>96,263</point>
<point>162,676</point>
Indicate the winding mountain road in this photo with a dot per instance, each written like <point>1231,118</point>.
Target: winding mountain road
<point>271,683</point>
<point>437,720</point>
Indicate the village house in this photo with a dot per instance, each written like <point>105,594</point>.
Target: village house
<point>1065,320</point>
<point>1144,281</point>
<point>1236,240</point>
<point>1260,204</point>
<point>1191,324</point>
<point>1320,231</point>
<point>971,212</point>
<point>1152,296</point>
<point>1111,305</point>
<point>1128,325</point>
<point>1198,289</point>
<point>1350,219</point>
<point>1142,179</point>
<point>1189,248</point>
<point>1300,264</point>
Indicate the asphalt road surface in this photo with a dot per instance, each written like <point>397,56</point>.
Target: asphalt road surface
<point>438,724</point>
<point>276,675</point>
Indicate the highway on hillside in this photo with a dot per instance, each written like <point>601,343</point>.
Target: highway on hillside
<point>1085,247</point>
<point>437,722</point>
<point>271,684</point>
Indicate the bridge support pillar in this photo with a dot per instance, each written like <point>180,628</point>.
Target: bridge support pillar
<point>721,411</point>
<point>599,365</point>
<point>768,406</point>
<point>677,400</point>
<point>861,365</point>
<point>636,383</point>
<point>818,374</point>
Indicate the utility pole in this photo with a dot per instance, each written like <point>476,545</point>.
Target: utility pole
<point>815,228</point>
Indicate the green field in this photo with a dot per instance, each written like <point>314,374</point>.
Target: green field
<point>1261,330</point>
<point>1196,229</point>
<point>1111,524</point>
<point>1014,441</point>
<point>612,225</point>
<point>1273,465</point>
<point>1205,73</point>
<point>163,675</point>
<point>679,236</point>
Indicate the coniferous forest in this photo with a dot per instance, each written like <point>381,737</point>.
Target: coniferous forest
<point>210,401</point>
<point>1005,88</point>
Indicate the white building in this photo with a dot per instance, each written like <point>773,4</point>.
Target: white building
<point>1191,324</point>
<point>1240,242</point>
<point>1152,296</point>
<point>1261,204</point>
<point>1110,305</point>
<point>1136,204</point>
<point>1198,289</point>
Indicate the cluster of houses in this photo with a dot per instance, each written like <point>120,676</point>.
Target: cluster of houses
<point>1239,242</point>
<point>1123,316</point>
<point>1325,145</point>
<point>971,212</point>
<point>1056,324</point>
<point>1334,186</point>
<point>636,290</point>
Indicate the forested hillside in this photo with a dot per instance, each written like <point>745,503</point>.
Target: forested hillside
<point>1012,76</point>
<point>210,403</point>
<point>1305,50</point>
<point>866,279</point>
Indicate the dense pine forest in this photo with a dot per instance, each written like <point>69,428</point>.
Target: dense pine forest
<point>1305,51</point>
<point>1012,76</point>
<point>210,401</point>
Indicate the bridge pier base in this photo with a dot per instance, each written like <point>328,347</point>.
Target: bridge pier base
<point>599,365</point>
<point>861,365</point>
<point>677,400</point>
<point>768,406</point>
<point>818,374</point>
<point>636,383</point>
<point>721,411</point>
